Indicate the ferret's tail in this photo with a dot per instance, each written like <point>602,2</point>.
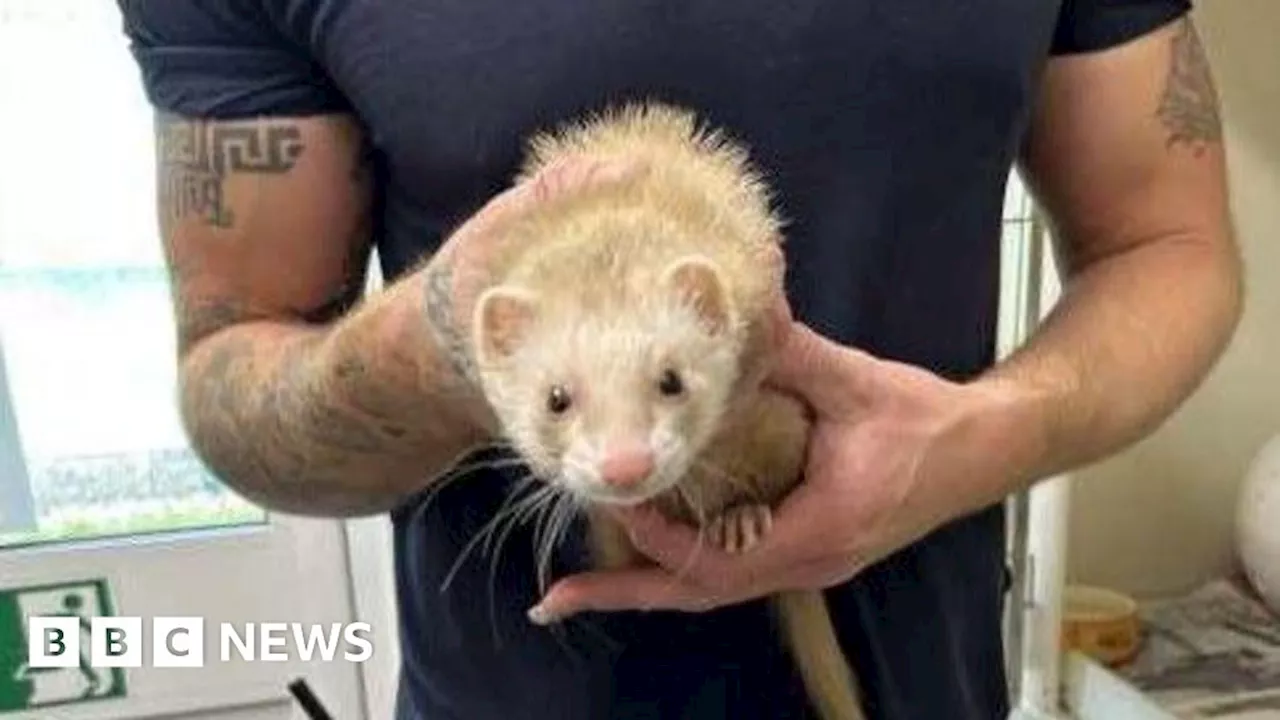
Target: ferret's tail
<point>828,678</point>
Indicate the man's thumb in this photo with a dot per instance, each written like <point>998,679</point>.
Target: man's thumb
<point>809,366</point>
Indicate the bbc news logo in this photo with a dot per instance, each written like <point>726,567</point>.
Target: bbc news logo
<point>179,642</point>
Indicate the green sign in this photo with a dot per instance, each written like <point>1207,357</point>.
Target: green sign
<point>23,687</point>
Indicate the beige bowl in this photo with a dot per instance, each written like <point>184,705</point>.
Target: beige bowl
<point>1100,623</point>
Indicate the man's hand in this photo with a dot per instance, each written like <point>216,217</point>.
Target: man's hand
<point>895,452</point>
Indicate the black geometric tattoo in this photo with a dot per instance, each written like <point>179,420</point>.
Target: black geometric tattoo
<point>196,156</point>
<point>1189,107</point>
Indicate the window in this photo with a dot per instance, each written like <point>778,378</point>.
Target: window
<point>90,439</point>
<point>1021,231</point>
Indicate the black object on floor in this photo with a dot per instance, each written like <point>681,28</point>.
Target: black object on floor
<point>308,700</point>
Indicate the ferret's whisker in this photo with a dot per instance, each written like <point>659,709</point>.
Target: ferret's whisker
<point>464,471</point>
<point>563,514</point>
<point>517,491</point>
<point>518,514</point>
<point>489,527</point>
<point>693,556</point>
<point>541,523</point>
<point>496,463</point>
<point>453,469</point>
<point>494,555</point>
<point>480,447</point>
<point>578,465</point>
<point>513,520</point>
<point>543,547</point>
<point>565,510</point>
<point>698,511</point>
<point>454,472</point>
<point>536,505</point>
<point>546,535</point>
<point>686,496</point>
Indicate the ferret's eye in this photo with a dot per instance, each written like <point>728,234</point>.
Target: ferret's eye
<point>670,384</point>
<point>558,400</point>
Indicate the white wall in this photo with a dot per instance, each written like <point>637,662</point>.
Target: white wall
<point>1159,518</point>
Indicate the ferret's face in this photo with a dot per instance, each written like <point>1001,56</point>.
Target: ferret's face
<point>611,403</point>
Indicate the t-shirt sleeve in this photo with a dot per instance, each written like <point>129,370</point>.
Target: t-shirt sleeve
<point>223,59</point>
<point>1088,25</point>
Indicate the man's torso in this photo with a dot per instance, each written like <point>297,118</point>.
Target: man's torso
<point>887,128</point>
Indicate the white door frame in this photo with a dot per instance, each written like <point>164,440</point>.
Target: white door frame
<point>371,563</point>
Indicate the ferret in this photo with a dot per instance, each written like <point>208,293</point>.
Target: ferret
<point>614,343</point>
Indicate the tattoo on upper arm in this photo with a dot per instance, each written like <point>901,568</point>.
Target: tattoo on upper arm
<point>195,157</point>
<point>1189,106</point>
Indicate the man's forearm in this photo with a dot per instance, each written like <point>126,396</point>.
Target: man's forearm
<point>1126,155</point>
<point>340,420</point>
<point>1131,337</point>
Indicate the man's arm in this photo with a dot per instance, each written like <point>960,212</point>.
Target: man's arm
<point>291,397</point>
<point>1125,154</point>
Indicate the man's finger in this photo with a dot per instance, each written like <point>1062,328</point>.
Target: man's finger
<point>684,551</point>
<point>633,589</point>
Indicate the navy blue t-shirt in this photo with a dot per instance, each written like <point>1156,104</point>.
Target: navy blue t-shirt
<point>887,128</point>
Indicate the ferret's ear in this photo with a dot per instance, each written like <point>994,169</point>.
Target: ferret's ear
<point>697,281</point>
<point>502,319</point>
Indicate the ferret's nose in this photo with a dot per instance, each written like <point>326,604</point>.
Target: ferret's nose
<point>626,464</point>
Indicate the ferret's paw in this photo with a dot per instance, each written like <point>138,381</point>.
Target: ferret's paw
<point>740,528</point>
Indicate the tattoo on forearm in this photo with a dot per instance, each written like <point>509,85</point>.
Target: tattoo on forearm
<point>1189,107</point>
<point>283,431</point>
<point>438,304</point>
<point>198,317</point>
<point>196,156</point>
<point>277,434</point>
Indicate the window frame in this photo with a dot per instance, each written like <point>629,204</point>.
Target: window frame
<point>17,501</point>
